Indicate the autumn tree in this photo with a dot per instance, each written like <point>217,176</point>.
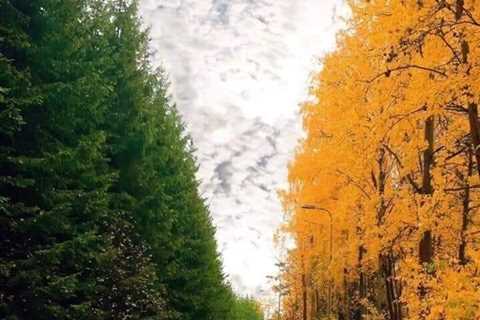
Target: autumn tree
<point>391,152</point>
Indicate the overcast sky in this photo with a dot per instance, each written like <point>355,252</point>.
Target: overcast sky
<point>239,69</point>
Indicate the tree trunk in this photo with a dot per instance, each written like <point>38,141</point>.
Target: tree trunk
<point>474,132</point>
<point>362,283</point>
<point>466,211</point>
<point>428,157</point>
<point>392,287</point>
<point>396,291</point>
<point>305,307</point>
<point>387,262</point>
<point>426,244</point>
<point>388,286</point>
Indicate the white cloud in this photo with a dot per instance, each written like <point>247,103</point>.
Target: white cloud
<point>239,69</point>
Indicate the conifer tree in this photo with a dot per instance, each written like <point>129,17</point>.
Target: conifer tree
<point>61,246</point>
<point>99,206</point>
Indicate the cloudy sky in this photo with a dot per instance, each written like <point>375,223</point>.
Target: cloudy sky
<point>239,69</point>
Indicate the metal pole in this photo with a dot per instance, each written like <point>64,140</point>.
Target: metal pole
<point>330,264</point>
<point>314,207</point>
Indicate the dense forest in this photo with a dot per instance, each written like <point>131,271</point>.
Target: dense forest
<point>383,198</point>
<point>100,213</point>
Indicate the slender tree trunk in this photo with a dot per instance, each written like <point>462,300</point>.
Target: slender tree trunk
<point>426,244</point>
<point>313,304</point>
<point>466,211</point>
<point>387,261</point>
<point>305,307</point>
<point>474,132</point>
<point>396,291</point>
<point>428,156</point>
<point>392,288</point>
<point>346,307</point>
<point>362,285</point>
<point>381,210</point>
<point>388,285</point>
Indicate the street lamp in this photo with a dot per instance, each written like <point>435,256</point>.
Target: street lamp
<point>315,208</point>
<point>320,209</point>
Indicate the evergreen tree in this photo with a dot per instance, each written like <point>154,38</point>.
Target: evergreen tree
<point>61,245</point>
<point>157,181</point>
<point>99,206</point>
<point>246,308</point>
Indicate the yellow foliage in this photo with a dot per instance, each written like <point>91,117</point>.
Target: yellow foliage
<point>383,191</point>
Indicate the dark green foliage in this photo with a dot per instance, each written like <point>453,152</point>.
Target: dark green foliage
<point>246,309</point>
<point>100,216</point>
<point>157,180</point>
<point>65,252</point>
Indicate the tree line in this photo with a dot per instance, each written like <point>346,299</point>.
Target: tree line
<point>383,193</point>
<point>100,213</point>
